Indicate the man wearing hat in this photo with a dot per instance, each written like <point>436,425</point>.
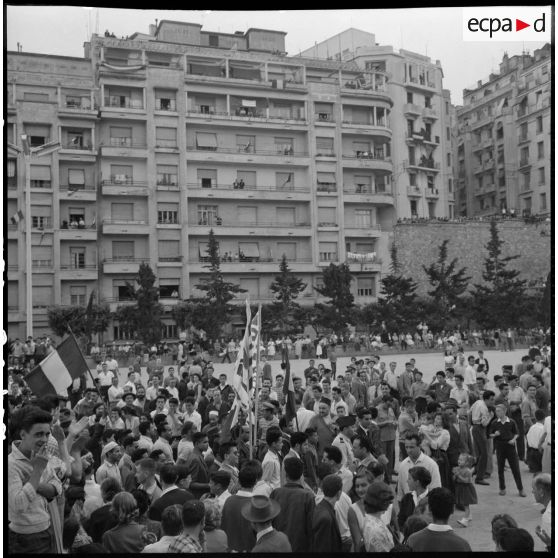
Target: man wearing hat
<point>343,440</point>
<point>267,420</point>
<point>111,454</point>
<point>260,512</point>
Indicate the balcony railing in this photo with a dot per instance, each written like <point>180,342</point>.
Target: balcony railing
<point>12,183</point>
<point>239,113</point>
<point>122,180</point>
<point>324,117</point>
<point>77,267</point>
<point>125,259</point>
<point>327,187</point>
<point>245,224</point>
<point>242,149</point>
<point>230,257</point>
<point>77,188</point>
<point>413,191</point>
<point>425,164</point>
<point>124,222</point>
<point>41,264</point>
<point>368,155</point>
<point>170,259</point>
<point>381,124</point>
<point>124,142</point>
<point>118,102</point>
<point>79,105</point>
<point>83,146</point>
<point>260,187</point>
<point>367,189</point>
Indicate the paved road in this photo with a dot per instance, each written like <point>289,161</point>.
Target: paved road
<point>525,510</point>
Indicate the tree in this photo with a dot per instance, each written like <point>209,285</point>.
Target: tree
<point>397,307</point>
<point>142,320</point>
<point>337,313</point>
<point>449,284</point>
<point>500,301</point>
<point>218,292</point>
<point>286,288</point>
<point>84,322</point>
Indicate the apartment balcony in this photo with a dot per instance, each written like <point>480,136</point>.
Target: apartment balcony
<point>89,233</point>
<point>123,264</point>
<point>367,88</point>
<point>13,231</point>
<point>414,192</point>
<point>523,138</point>
<point>365,128</point>
<point>123,147</point>
<point>420,83</point>
<point>168,185</point>
<point>125,226</point>
<point>428,113</point>
<point>410,109</point>
<point>258,191</point>
<point>70,272</point>
<point>76,150</point>
<point>75,192</point>
<point>259,228</point>
<point>488,164</point>
<point>524,163</point>
<point>14,314</point>
<point>365,193</point>
<point>77,109</point>
<point>365,264</point>
<point>324,118</point>
<point>362,230</point>
<point>432,193</point>
<point>325,226</point>
<point>253,265</point>
<point>240,155</point>
<point>326,188</point>
<point>367,160</point>
<point>125,108</point>
<point>477,147</point>
<point>170,261</point>
<point>425,164</point>
<point>43,266</point>
<point>478,168</point>
<point>264,118</point>
<point>124,186</point>
<point>114,302</point>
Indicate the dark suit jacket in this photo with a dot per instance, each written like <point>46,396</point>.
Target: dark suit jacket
<point>275,541</point>
<point>100,521</point>
<point>325,530</point>
<point>460,442</point>
<point>175,496</point>
<point>295,519</point>
<point>239,532</point>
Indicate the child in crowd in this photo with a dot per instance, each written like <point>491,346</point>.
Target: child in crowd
<point>465,493</point>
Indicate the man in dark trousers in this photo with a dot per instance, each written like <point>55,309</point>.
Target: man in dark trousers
<point>325,529</point>
<point>297,507</point>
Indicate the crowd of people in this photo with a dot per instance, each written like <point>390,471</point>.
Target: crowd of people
<point>145,461</point>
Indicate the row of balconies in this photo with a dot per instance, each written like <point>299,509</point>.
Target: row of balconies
<point>429,193</point>
<point>416,110</point>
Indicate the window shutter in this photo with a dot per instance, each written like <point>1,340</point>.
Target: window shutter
<point>40,172</point>
<point>122,211</point>
<point>76,176</point>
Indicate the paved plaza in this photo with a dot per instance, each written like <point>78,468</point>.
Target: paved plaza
<point>524,510</point>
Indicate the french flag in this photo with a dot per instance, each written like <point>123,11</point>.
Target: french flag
<point>57,371</point>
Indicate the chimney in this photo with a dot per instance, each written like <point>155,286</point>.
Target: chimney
<point>152,30</point>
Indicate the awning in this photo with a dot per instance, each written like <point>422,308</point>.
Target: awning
<point>326,177</point>
<point>206,140</point>
<point>76,176</point>
<point>202,249</point>
<point>248,103</point>
<point>40,172</point>
<point>249,249</point>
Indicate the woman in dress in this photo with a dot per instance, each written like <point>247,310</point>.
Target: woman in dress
<point>436,440</point>
<point>356,512</point>
<point>377,536</point>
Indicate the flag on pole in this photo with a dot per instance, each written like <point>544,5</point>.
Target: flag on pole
<point>240,379</point>
<point>230,421</point>
<point>288,388</point>
<point>56,372</point>
<point>17,217</point>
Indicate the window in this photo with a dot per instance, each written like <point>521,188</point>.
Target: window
<point>539,124</point>
<point>122,212</point>
<point>361,148</point>
<point>248,252</point>
<point>40,222</point>
<point>165,100</point>
<point>76,178</point>
<point>169,288</point>
<point>543,202</point>
<point>450,185</point>
<point>540,150</point>
<point>284,146</point>
<point>428,102</point>
<point>74,139</point>
<point>245,179</point>
<point>120,137</point>
<point>167,213</point>
<point>524,156</point>
<point>75,215</point>
<point>286,216</point>
<point>412,155</point>
<point>206,141</point>
<point>412,179</point>
<point>447,107</point>
<point>288,249</point>
<point>169,251</point>
<point>119,334</point>
<point>167,175</point>
<point>246,144</point>
<point>523,131</point>
<point>448,134</point>
<point>432,210</point>
<point>526,180</point>
<point>430,182</point>
<point>409,97</point>
<point>77,295</point>
<point>541,175</point>
<point>327,216</point>
<point>448,159</point>
<point>213,40</point>
<point>363,218</point>
<point>165,137</point>
<point>40,176</point>
<point>122,250</point>
<point>414,208</point>
<point>35,97</point>
<point>207,215</point>
<point>169,331</point>
<point>207,178</point>
<point>42,296</point>
<point>324,147</point>
<point>41,256</point>
<point>499,131</point>
<point>284,180</point>
<point>366,286</point>
<point>247,214</point>
<point>328,251</point>
<point>77,257</point>
<point>121,174</point>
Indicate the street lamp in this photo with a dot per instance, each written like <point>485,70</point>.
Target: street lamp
<point>28,153</point>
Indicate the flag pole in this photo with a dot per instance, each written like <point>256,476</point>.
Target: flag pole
<point>256,403</point>
<point>250,421</point>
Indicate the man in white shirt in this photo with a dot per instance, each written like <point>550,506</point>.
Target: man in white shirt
<point>219,482</point>
<point>461,394</point>
<point>145,440</point>
<point>470,376</point>
<point>112,364</point>
<point>114,393</point>
<point>343,441</point>
<point>271,464</point>
<point>152,391</point>
<point>163,441</point>
<point>111,454</point>
<point>190,414</point>
<point>303,417</point>
<point>105,377</point>
<point>415,457</point>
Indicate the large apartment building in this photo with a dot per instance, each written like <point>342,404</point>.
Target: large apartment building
<point>421,149</point>
<point>503,140</point>
<point>167,135</point>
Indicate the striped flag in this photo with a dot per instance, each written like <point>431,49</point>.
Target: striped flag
<point>288,387</point>
<point>240,379</point>
<point>230,421</point>
<point>17,217</point>
<point>56,372</point>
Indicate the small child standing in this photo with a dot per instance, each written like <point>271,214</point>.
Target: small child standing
<point>465,493</point>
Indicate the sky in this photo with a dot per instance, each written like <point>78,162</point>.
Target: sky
<point>435,32</point>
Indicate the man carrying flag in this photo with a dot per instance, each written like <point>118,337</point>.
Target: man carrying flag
<point>288,389</point>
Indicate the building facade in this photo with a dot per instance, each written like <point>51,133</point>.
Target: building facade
<point>503,140</point>
<point>420,120</point>
<point>167,135</point>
